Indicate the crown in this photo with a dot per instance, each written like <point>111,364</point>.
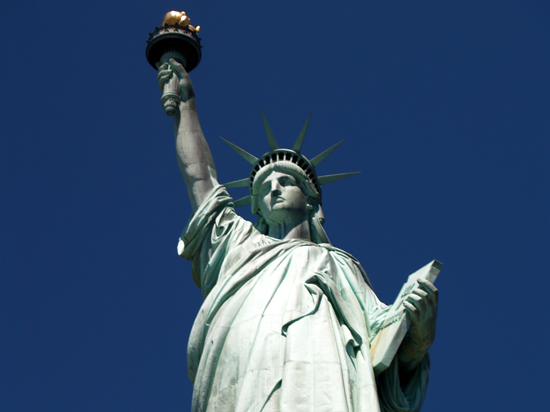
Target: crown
<point>276,155</point>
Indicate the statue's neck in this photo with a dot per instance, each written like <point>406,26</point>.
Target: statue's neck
<point>290,230</point>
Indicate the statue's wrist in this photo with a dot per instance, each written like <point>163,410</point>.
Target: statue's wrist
<point>413,349</point>
<point>188,105</point>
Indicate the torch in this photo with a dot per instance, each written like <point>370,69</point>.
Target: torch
<point>175,39</point>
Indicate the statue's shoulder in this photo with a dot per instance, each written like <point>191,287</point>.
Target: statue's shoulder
<point>346,259</point>
<point>339,252</point>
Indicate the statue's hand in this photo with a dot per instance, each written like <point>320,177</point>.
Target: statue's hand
<point>173,68</point>
<point>421,306</point>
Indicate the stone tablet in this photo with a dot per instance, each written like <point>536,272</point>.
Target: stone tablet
<point>386,343</point>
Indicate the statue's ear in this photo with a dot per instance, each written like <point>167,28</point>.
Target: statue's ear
<point>320,215</point>
<point>255,206</point>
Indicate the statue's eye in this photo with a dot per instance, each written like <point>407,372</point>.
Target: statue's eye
<point>287,181</point>
<point>264,189</point>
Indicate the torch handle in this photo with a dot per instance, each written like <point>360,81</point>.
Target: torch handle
<point>171,96</point>
<point>171,90</point>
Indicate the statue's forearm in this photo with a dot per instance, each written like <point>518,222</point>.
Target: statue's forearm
<point>421,308</point>
<point>194,157</point>
<point>409,356</point>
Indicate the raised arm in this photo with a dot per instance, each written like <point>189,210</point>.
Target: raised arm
<point>194,157</point>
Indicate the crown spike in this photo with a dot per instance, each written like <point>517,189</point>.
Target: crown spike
<point>243,201</point>
<point>300,140</point>
<point>270,138</point>
<point>320,157</point>
<point>324,180</point>
<point>238,183</point>
<point>247,156</point>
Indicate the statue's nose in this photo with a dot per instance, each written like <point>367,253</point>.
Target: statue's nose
<point>275,188</point>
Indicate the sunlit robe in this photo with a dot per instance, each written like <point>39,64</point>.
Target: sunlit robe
<point>285,325</point>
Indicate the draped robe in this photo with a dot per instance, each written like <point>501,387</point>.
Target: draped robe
<point>285,325</point>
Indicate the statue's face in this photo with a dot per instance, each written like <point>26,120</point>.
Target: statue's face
<point>282,199</point>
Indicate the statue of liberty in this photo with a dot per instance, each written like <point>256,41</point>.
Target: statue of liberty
<point>288,320</point>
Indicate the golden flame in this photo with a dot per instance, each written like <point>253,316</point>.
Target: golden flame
<point>179,17</point>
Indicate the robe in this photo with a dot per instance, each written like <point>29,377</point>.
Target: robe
<point>285,325</point>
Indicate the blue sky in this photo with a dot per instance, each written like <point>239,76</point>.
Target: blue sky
<point>444,108</point>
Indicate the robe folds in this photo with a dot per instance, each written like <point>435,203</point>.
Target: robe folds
<point>285,325</point>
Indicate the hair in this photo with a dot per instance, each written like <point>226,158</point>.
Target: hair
<point>316,218</point>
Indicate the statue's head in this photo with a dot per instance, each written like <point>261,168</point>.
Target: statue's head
<point>284,185</point>
<point>282,191</point>
<point>283,194</point>
<point>271,176</point>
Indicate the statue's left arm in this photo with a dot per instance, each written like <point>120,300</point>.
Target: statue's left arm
<point>421,307</point>
<point>402,386</point>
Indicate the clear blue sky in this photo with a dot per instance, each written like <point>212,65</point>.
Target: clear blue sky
<point>444,108</point>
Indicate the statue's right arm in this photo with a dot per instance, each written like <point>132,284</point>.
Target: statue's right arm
<point>194,157</point>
